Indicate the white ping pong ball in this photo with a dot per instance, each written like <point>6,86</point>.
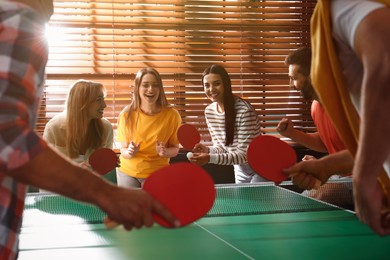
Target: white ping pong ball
<point>189,155</point>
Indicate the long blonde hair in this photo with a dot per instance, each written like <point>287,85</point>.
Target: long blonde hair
<point>81,133</point>
<point>136,100</point>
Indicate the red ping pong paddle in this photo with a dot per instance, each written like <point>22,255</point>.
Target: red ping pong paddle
<point>103,160</point>
<point>188,136</point>
<point>268,156</point>
<point>186,189</point>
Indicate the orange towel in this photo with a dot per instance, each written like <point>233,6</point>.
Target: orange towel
<point>330,84</point>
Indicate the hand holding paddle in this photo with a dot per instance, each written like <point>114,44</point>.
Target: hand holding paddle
<point>133,208</point>
<point>188,136</point>
<point>185,189</point>
<point>103,160</point>
<point>309,173</point>
<point>268,156</point>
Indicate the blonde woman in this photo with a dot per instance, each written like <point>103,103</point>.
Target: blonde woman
<point>81,129</point>
<point>147,131</point>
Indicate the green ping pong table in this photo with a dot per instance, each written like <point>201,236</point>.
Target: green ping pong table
<point>253,221</point>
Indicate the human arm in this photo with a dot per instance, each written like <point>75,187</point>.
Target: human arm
<point>167,152</point>
<point>128,151</point>
<point>55,133</point>
<point>200,154</point>
<point>48,133</point>
<point>247,127</point>
<point>26,158</point>
<point>132,208</point>
<point>167,143</point>
<point>109,137</point>
<point>218,154</point>
<point>310,140</point>
<point>306,174</point>
<point>200,148</point>
<point>372,37</point>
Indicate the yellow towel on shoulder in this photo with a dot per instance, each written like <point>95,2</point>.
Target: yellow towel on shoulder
<point>330,85</point>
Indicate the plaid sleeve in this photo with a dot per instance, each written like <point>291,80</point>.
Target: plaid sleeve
<point>23,57</point>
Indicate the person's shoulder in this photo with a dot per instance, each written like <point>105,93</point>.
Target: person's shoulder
<point>240,101</point>
<point>106,123</point>
<point>316,104</point>
<point>56,125</point>
<point>346,15</point>
<point>243,105</point>
<point>58,119</point>
<point>172,111</point>
<point>123,113</point>
<point>211,107</point>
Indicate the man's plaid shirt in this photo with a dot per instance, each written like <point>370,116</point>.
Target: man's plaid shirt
<point>23,57</point>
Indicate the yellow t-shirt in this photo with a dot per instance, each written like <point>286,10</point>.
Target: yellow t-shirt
<point>149,129</point>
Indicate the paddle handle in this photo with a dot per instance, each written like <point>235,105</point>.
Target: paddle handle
<point>317,184</point>
<point>110,224</point>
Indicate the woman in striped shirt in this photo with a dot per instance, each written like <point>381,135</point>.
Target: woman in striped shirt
<point>232,123</point>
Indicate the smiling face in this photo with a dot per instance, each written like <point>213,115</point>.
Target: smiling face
<point>300,82</point>
<point>149,90</point>
<point>213,87</point>
<point>96,108</point>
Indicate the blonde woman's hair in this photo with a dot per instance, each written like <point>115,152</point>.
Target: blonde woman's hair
<point>136,100</point>
<point>81,133</point>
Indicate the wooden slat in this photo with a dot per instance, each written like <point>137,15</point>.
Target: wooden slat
<point>109,40</point>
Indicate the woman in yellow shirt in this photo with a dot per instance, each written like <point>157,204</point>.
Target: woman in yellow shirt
<point>147,131</point>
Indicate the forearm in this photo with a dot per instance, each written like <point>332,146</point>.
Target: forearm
<point>228,158</point>
<point>63,177</point>
<point>171,151</point>
<point>339,163</point>
<point>373,146</point>
<point>309,140</point>
<point>128,151</point>
<point>375,127</point>
<point>225,156</point>
<point>125,153</point>
<point>109,142</point>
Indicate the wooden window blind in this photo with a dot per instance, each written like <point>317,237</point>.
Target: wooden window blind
<point>108,41</point>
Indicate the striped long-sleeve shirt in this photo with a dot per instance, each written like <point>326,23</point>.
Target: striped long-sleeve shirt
<point>23,57</point>
<point>247,127</point>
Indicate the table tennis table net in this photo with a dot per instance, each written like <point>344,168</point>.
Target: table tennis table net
<point>231,200</point>
<point>262,199</point>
